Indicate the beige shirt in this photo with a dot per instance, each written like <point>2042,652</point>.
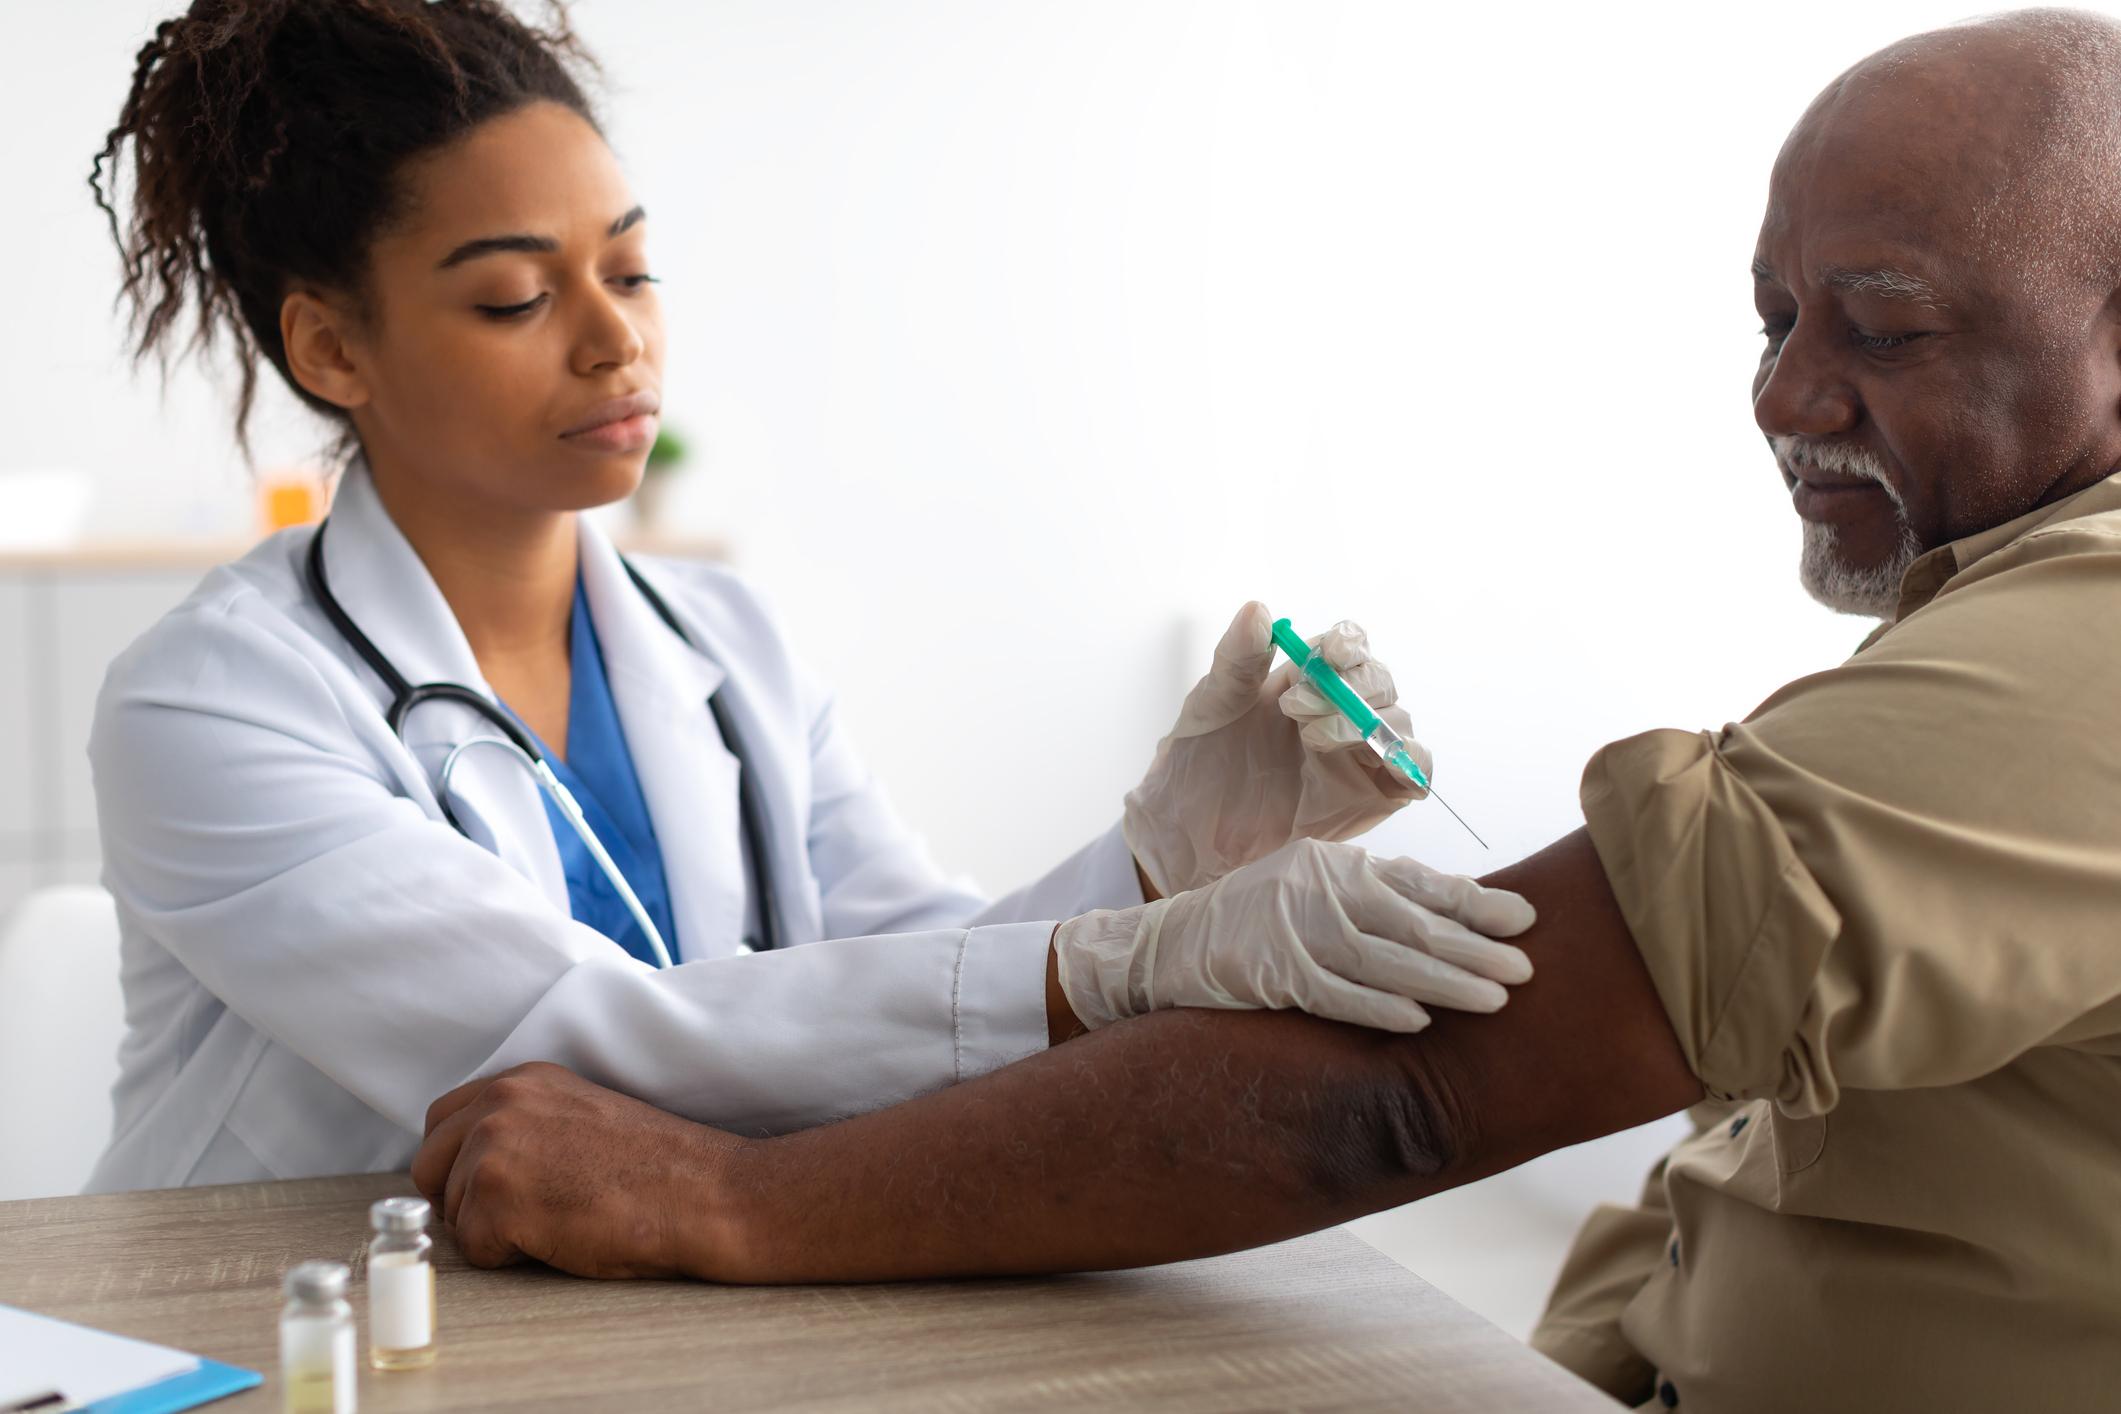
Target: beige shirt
<point>1884,916</point>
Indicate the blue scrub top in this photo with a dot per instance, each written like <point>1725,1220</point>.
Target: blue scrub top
<point>599,771</point>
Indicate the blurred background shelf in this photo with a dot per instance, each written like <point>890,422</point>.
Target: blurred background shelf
<point>65,612</point>
<point>194,557</point>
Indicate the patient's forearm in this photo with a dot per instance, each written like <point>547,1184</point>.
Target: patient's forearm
<point>1176,1135</point>
<point>1182,1134</point>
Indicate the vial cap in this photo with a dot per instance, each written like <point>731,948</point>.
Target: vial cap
<point>399,1215</point>
<point>318,1281</point>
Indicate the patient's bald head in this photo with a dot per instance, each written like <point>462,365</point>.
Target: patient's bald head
<point>1937,274</point>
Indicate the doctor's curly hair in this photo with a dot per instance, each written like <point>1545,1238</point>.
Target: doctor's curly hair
<point>266,138</point>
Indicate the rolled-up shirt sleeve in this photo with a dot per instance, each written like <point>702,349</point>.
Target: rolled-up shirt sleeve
<point>1732,925</point>
<point>1901,872</point>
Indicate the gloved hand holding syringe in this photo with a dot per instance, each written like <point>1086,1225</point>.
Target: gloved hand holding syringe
<point>1377,734</point>
<point>1260,756</point>
<point>1241,826</point>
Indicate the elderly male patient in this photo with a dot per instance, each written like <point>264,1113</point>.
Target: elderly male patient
<point>1871,935</point>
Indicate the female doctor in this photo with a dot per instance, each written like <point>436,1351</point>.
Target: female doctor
<point>343,883</point>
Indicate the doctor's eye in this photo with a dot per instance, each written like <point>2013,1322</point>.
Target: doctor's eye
<point>509,311</point>
<point>634,282</point>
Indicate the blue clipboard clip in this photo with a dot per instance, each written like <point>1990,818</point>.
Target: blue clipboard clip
<point>211,1381</point>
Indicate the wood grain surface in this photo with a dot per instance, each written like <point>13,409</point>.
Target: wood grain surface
<point>1323,1322</point>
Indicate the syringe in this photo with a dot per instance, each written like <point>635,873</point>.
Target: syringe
<point>1377,734</point>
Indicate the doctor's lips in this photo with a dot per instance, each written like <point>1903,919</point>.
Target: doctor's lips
<point>621,425</point>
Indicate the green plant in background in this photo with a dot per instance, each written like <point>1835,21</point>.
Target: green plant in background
<point>665,457</point>
<point>668,451</point>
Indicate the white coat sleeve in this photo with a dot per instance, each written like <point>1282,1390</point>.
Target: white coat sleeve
<point>877,877</point>
<point>248,830</point>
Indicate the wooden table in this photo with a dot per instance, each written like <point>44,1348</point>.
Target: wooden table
<point>1323,1322</point>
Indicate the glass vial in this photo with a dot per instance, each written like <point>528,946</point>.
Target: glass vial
<point>401,1286</point>
<point>317,1341</point>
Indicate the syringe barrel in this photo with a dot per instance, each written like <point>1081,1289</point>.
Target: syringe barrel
<point>1346,698</point>
<point>1328,681</point>
<point>1392,749</point>
<point>1383,740</point>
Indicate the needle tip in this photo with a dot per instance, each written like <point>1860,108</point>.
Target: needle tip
<point>1460,819</point>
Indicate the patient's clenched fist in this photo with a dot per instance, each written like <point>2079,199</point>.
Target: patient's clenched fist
<point>538,1162</point>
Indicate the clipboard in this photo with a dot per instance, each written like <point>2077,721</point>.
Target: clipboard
<point>56,1367</point>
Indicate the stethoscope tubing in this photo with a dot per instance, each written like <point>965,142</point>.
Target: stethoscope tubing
<point>404,696</point>
<point>571,811</point>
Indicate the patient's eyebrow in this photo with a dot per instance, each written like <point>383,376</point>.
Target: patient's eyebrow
<point>535,245</point>
<point>1883,282</point>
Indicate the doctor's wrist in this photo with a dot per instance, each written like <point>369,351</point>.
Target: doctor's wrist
<point>1150,893</point>
<point>1062,1023</point>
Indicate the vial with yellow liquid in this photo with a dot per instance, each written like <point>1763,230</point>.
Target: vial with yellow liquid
<point>401,1286</point>
<point>317,1341</point>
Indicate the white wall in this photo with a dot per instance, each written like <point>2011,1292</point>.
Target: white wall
<point>1023,341</point>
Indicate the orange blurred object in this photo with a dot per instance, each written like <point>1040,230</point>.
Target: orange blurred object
<point>290,498</point>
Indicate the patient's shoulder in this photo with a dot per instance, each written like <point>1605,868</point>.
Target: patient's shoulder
<point>2068,558</point>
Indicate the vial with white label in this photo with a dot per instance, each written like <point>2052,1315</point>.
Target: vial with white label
<point>317,1341</point>
<point>401,1286</point>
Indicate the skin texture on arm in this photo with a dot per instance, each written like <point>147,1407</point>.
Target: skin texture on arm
<point>1175,1135</point>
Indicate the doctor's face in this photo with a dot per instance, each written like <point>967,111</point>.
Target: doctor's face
<point>512,355</point>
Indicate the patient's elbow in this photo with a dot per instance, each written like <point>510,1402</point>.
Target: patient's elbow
<point>1402,1128</point>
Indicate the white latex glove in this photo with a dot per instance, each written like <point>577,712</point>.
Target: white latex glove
<point>1259,758</point>
<point>1324,927</point>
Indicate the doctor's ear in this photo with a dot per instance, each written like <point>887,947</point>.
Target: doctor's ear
<point>315,332</point>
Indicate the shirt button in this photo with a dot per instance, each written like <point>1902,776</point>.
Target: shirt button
<point>1738,1125</point>
<point>1667,1395</point>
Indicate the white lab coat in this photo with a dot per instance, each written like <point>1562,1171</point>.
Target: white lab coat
<point>312,955</point>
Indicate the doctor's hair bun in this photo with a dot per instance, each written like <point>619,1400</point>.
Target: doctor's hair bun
<point>265,138</point>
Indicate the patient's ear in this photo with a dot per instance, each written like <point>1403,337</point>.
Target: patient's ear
<point>317,333</point>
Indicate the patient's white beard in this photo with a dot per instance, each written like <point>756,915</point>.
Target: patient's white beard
<point>1823,569</point>
<point>1828,576</point>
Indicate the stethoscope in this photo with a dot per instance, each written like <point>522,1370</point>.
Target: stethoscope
<point>517,742</point>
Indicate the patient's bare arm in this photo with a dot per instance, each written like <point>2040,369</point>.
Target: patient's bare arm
<point>1174,1135</point>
